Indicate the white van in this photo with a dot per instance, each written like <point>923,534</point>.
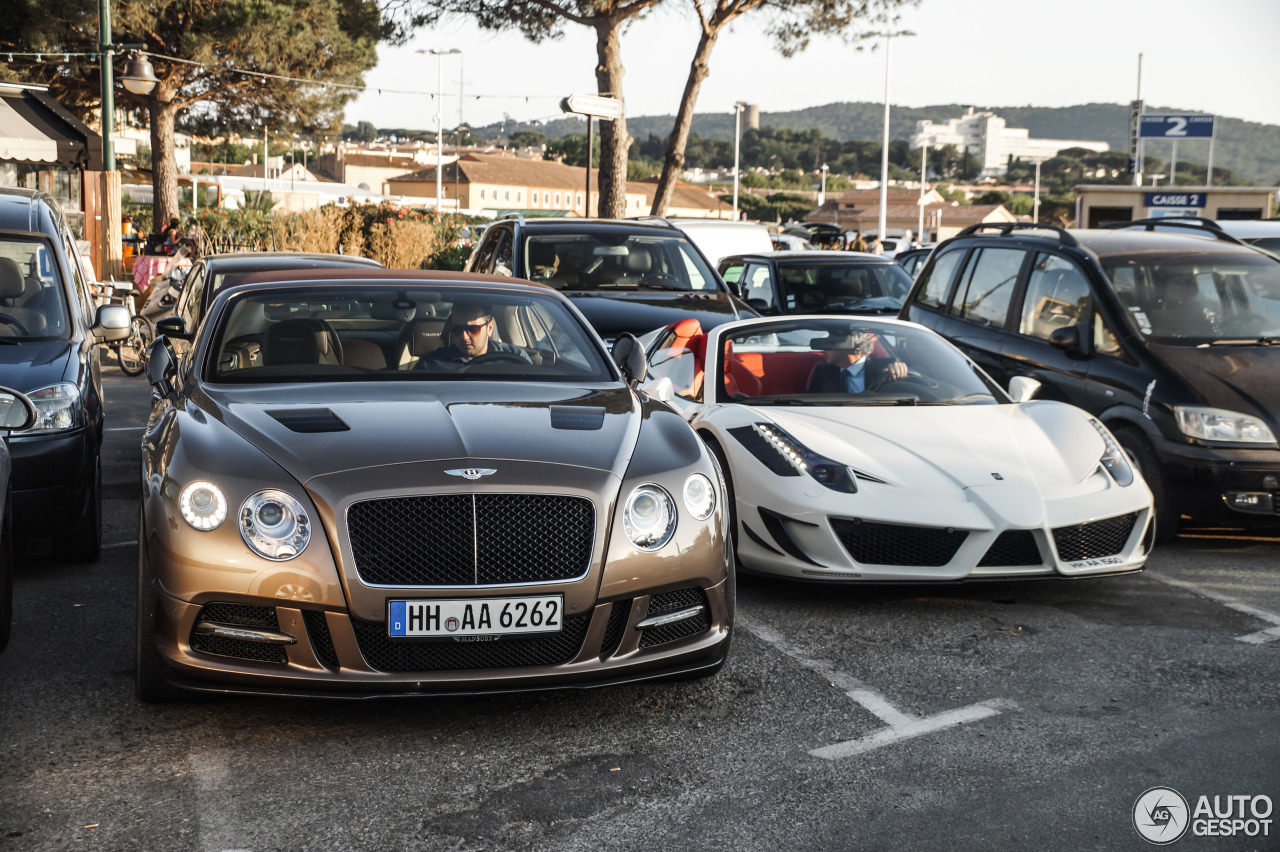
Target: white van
<point>721,238</point>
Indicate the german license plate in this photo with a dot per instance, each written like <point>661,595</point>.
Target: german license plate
<point>461,617</point>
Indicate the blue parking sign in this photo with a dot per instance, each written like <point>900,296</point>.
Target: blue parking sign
<point>1175,126</point>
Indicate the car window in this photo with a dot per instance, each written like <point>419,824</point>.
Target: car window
<point>33,303</point>
<point>502,261</point>
<point>936,283</point>
<point>606,260</point>
<point>83,291</point>
<point>1057,296</point>
<point>987,285</point>
<point>676,358</point>
<point>732,272</point>
<point>1195,298</point>
<point>857,287</point>
<point>406,333</point>
<point>483,261</point>
<point>193,291</point>
<point>757,286</point>
<point>1105,341</point>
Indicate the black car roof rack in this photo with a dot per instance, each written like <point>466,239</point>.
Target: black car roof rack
<point>662,219</point>
<point>1208,227</point>
<point>518,217</point>
<point>1007,228</point>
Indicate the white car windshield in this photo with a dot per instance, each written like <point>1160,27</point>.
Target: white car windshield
<point>401,333</point>
<point>1194,299</point>
<point>841,362</point>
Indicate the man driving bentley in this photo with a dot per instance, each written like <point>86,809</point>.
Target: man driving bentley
<point>470,330</point>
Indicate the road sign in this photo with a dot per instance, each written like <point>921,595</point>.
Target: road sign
<point>1175,126</point>
<point>596,106</point>
<point>1173,199</point>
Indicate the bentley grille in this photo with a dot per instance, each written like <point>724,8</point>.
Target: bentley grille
<point>387,656</point>
<point>471,539</point>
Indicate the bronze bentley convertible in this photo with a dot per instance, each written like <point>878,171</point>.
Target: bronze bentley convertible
<point>364,483</point>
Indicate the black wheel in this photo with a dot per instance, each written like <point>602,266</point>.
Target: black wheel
<point>132,351</point>
<point>6,576</point>
<point>83,544</point>
<point>150,682</point>
<point>1144,458</point>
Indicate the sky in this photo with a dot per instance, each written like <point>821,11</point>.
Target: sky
<point>1213,56</point>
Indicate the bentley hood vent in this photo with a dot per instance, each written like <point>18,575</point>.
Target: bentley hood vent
<point>577,417</point>
<point>309,420</point>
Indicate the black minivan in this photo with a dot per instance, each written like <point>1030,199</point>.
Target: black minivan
<point>50,331</point>
<point>1171,339</point>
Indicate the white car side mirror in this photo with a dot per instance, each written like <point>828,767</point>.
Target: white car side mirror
<point>661,389</point>
<point>1022,388</point>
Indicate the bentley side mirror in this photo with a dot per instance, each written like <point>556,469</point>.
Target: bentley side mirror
<point>162,366</point>
<point>629,355</point>
<point>174,327</point>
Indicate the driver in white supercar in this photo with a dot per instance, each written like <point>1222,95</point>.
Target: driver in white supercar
<point>470,329</point>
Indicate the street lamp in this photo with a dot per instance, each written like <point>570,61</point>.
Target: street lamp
<point>888,36</point>
<point>822,193</point>
<point>737,142</point>
<point>440,54</point>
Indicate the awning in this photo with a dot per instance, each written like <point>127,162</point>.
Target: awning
<point>34,128</point>
<point>20,140</point>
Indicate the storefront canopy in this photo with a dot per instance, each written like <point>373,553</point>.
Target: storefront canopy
<point>34,128</point>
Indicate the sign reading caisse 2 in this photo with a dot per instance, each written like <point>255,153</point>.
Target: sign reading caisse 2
<point>1188,126</point>
<point>1173,199</point>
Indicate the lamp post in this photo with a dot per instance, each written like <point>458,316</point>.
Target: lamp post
<point>822,193</point>
<point>737,142</point>
<point>1035,205</point>
<point>440,53</point>
<point>924,163</point>
<point>888,36</point>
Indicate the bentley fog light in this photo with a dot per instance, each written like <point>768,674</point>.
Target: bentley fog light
<point>649,517</point>
<point>58,408</point>
<point>203,505</point>
<point>1215,424</point>
<point>274,525</point>
<point>830,473</point>
<point>1114,458</point>
<point>699,497</point>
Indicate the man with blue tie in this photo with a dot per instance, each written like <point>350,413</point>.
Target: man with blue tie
<point>848,366</point>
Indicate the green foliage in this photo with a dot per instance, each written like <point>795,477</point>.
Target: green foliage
<point>222,152</point>
<point>527,139</point>
<point>258,200</point>
<point>775,207</point>
<point>573,151</point>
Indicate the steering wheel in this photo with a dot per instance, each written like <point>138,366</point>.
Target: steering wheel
<point>662,279</point>
<point>919,379</point>
<point>494,358</point>
<point>22,329</point>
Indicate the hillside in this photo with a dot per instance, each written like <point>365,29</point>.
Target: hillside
<point>1250,149</point>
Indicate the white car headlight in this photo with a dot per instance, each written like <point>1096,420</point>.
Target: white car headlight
<point>58,408</point>
<point>274,525</point>
<point>1113,457</point>
<point>203,505</point>
<point>699,496</point>
<point>1215,424</point>
<point>649,517</point>
<point>830,473</point>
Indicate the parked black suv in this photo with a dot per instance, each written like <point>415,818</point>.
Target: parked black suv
<point>50,330</point>
<point>1171,340</point>
<point>625,275</point>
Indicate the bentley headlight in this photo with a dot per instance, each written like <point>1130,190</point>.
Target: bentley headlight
<point>1215,424</point>
<point>274,525</point>
<point>699,496</point>
<point>57,407</point>
<point>830,473</point>
<point>1113,457</point>
<point>649,517</point>
<point>203,505</point>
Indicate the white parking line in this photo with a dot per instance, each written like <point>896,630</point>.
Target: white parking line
<point>901,726</point>
<point>214,800</point>
<point>1270,634</point>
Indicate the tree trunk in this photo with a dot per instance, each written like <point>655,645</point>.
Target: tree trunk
<point>614,140</point>
<point>164,167</point>
<point>673,164</point>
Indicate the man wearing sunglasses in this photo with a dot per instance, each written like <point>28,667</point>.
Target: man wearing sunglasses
<point>469,332</point>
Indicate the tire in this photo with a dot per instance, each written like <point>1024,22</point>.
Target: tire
<point>6,577</point>
<point>149,679</point>
<point>1144,458</point>
<point>132,351</point>
<point>84,543</point>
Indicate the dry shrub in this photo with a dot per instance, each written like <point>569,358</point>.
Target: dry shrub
<point>401,244</point>
<point>313,231</point>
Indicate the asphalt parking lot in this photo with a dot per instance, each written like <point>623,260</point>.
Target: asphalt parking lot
<point>993,716</point>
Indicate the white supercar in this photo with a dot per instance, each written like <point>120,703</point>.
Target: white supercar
<point>916,468</point>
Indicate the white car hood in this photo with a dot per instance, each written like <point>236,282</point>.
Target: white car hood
<point>1008,456</point>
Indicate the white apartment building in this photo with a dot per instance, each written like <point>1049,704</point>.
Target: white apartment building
<point>986,136</point>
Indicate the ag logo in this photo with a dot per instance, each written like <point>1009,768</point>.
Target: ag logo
<point>1160,815</point>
